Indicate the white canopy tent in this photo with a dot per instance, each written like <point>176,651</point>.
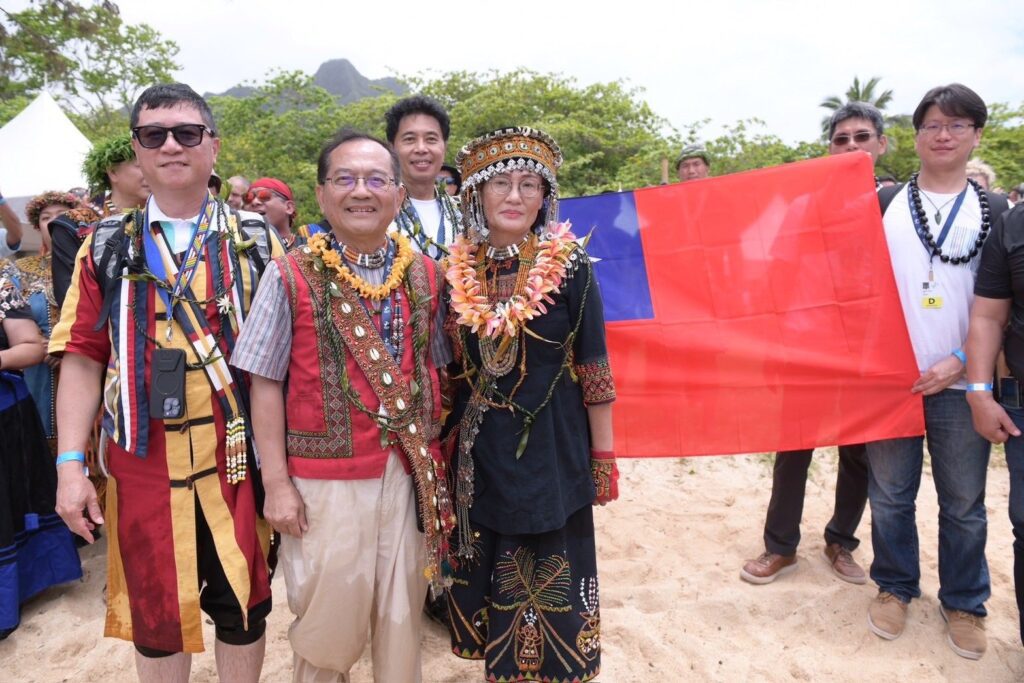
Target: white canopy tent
<point>40,150</point>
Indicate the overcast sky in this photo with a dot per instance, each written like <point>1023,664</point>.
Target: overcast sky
<point>724,60</point>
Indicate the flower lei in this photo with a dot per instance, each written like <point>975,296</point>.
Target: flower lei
<point>326,257</point>
<point>506,318</point>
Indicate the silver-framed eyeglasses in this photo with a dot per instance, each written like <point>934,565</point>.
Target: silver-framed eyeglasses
<point>375,182</point>
<point>528,188</point>
<point>956,129</point>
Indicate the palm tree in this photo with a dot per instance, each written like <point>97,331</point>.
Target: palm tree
<point>857,93</point>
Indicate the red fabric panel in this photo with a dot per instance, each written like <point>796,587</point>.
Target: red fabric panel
<point>777,321</point>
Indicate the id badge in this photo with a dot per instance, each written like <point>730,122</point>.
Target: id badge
<point>931,295</point>
<point>167,385</point>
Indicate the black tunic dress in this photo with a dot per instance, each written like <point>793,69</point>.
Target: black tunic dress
<point>528,600</point>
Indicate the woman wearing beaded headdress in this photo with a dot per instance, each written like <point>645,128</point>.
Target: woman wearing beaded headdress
<point>36,280</point>
<point>531,421</point>
<point>35,276</point>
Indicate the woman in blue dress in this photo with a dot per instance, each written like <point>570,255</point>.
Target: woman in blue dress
<point>36,549</point>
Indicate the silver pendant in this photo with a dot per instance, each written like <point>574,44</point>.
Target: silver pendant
<point>938,218</point>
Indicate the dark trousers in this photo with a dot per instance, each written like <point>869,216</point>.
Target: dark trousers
<point>1015,463</point>
<point>786,507</point>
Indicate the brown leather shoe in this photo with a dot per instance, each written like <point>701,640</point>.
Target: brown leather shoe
<point>768,567</point>
<point>965,632</point>
<point>843,565</point>
<point>887,615</point>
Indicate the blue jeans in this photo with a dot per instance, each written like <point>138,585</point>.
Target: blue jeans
<point>959,466</point>
<point>1015,463</point>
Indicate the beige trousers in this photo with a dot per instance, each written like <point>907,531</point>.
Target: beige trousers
<point>357,572</point>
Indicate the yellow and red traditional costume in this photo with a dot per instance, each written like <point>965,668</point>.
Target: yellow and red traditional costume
<point>171,480</point>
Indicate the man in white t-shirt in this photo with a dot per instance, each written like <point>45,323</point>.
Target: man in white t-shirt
<point>418,129</point>
<point>10,234</point>
<point>934,226</point>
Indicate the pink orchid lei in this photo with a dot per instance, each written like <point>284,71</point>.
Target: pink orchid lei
<point>506,318</point>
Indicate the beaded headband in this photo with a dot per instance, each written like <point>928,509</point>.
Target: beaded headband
<point>505,150</point>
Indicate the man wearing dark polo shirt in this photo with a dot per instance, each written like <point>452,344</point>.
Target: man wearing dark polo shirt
<point>997,411</point>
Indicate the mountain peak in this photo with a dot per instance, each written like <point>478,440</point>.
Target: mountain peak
<point>342,79</point>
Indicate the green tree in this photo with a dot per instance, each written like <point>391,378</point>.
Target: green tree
<point>609,136</point>
<point>85,54</point>
<point>747,145</point>
<point>279,129</point>
<point>1002,144</point>
<point>857,93</point>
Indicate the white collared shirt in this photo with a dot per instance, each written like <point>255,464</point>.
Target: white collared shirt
<point>181,229</point>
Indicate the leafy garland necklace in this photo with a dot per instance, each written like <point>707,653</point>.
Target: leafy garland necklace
<point>138,270</point>
<point>409,222</point>
<point>327,258</point>
<point>921,224</point>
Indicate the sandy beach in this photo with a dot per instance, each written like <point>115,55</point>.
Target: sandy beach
<point>673,606</point>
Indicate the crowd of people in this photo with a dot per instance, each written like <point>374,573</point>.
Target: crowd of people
<point>423,374</point>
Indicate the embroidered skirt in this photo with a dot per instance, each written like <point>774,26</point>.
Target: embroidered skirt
<point>36,548</point>
<point>528,604</point>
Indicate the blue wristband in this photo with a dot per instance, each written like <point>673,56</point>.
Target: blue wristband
<point>73,456</point>
<point>980,386</point>
<point>959,353</point>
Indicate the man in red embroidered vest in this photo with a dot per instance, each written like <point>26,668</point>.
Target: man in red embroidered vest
<point>343,345</point>
<point>157,300</point>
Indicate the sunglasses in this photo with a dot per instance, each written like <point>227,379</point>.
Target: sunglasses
<point>186,135</point>
<point>859,136</point>
<point>446,180</point>
<point>261,193</point>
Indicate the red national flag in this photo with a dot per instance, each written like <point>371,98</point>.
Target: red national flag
<point>752,312</point>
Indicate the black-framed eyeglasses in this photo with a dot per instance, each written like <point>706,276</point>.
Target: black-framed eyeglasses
<point>861,136</point>
<point>347,183</point>
<point>186,135</point>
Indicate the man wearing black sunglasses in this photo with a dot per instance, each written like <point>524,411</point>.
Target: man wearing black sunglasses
<point>854,127</point>
<point>158,296</point>
<point>857,126</point>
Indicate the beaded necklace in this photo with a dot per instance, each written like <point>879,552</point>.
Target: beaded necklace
<point>506,252</point>
<point>374,259</point>
<point>933,245</point>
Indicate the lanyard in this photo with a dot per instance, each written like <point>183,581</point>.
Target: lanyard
<point>922,231</point>
<point>187,271</point>
<point>440,228</point>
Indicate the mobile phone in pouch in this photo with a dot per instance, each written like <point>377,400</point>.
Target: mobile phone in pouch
<point>167,384</point>
<point>1009,392</point>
